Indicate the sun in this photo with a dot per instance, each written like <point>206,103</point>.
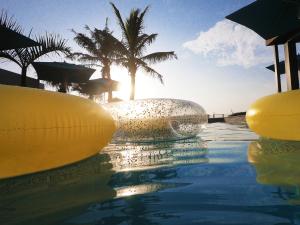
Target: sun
<point>121,75</point>
<point>145,86</point>
<point>124,89</point>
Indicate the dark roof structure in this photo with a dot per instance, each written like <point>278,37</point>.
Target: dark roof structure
<point>282,66</point>
<point>10,39</point>
<point>277,21</point>
<point>97,86</point>
<point>62,73</point>
<point>11,78</point>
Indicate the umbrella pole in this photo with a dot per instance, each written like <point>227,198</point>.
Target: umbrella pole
<point>64,85</point>
<point>276,67</point>
<point>291,65</point>
<point>38,83</point>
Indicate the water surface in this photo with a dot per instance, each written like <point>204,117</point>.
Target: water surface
<point>225,176</point>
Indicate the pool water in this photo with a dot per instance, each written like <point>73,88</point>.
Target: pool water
<point>227,175</point>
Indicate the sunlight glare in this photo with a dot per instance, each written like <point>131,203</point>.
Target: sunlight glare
<point>145,86</point>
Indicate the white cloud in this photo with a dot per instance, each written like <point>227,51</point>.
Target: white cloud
<point>231,44</point>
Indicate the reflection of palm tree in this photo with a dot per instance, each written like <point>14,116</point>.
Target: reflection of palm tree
<point>134,44</point>
<point>26,56</point>
<point>100,45</point>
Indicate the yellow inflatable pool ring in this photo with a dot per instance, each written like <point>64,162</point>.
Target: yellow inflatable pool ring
<point>40,130</point>
<point>276,116</point>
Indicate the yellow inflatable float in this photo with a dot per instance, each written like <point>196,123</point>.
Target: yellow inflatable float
<point>276,116</point>
<point>41,130</point>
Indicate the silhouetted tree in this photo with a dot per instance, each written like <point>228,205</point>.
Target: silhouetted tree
<point>24,57</point>
<point>101,50</point>
<point>134,44</point>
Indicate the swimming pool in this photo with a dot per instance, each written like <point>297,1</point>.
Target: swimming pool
<point>225,176</point>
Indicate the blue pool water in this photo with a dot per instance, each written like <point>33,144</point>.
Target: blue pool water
<point>225,176</point>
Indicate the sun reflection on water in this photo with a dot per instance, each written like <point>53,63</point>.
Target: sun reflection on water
<point>128,157</point>
<point>139,189</point>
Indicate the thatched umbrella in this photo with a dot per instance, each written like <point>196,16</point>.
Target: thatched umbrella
<point>277,21</point>
<point>97,86</point>
<point>62,73</point>
<point>10,39</point>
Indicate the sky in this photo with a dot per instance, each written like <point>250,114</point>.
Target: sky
<point>220,65</point>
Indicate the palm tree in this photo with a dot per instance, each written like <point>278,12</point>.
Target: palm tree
<point>100,46</point>
<point>9,22</point>
<point>24,57</point>
<point>134,44</point>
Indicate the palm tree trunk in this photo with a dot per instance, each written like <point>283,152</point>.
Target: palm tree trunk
<point>38,83</point>
<point>132,91</point>
<point>23,76</point>
<point>106,74</point>
<point>65,86</point>
<point>91,97</point>
<point>109,99</point>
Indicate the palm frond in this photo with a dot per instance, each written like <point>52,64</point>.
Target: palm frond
<point>150,71</point>
<point>120,20</point>
<point>159,57</point>
<point>101,46</point>
<point>144,41</point>
<point>123,61</point>
<point>85,42</point>
<point>82,57</point>
<point>120,48</point>
<point>134,43</point>
<point>110,46</point>
<point>58,86</point>
<point>133,29</point>
<point>106,28</point>
<point>50,43</point>
<point>11,55</point>
<point>87,28</point>
<point>105,42</point>
<point>141,19</point>
<point>9,22</point>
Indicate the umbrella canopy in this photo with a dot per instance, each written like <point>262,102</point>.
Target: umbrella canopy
<point>98,86</point>
<point>282,66</point>
<point>278,22</point>
<point>275,20</point>
<point>60,72</point>
<point>10,39</point>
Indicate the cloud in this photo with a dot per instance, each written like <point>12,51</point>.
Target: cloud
<point>231,44</point>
